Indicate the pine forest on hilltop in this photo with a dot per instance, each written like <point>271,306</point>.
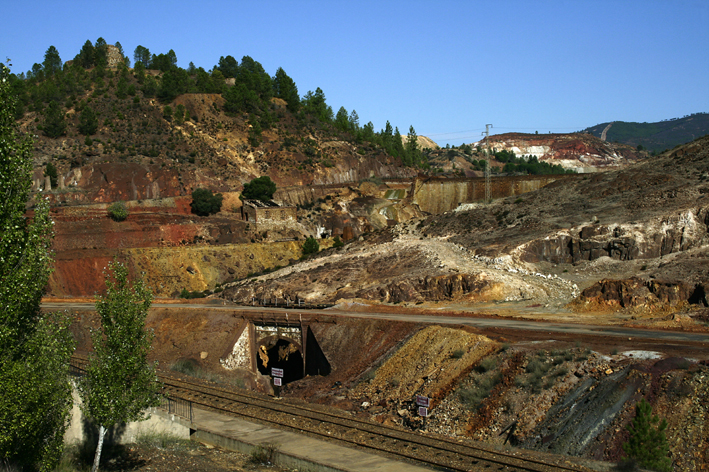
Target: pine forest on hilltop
<point>96,92</point>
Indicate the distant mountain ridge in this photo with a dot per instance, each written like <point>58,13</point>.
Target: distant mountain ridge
<point>657,136</point>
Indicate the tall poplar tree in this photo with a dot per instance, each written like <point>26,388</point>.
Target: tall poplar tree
<point>34,348</point>
<point>120,383</point>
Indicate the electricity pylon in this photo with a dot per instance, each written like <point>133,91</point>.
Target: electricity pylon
<point>488,196</point>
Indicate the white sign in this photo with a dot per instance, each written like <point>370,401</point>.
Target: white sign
<point>276,372</point>
<point>423,401</point>
<point>423,411</point>
<point>277,381</point>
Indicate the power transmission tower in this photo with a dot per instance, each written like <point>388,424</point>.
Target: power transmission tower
<point>488,196</point>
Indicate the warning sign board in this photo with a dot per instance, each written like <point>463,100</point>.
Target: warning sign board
<point>276,372</point>
<point>277,381</point>
<point>423,411</point>
<point>423,401</point>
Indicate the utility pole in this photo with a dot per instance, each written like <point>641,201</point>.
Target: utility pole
<point>488,196</point>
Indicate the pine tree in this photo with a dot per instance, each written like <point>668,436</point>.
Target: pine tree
<point>647,444</point>
<point>54,122</point>
<point>120,383</point>
<point>88,122</point>
<point>52,62</point>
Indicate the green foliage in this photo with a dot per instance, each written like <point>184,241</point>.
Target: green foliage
<point>252,90</point>
<point>205,203</point>
<point>530,165</point>
<point>255,134</point>
<point>86,57</point>
<point>180,114</point>
<point>284,87</point>
<point>88,121</point>
<point>538,369</point>
<point>310,246</point>
<point>457,354</point>
<point>647,444</point>
<point>164,62</point>
<point>141,56</point>
<point>50,171</point>
<point>480,388</point>
<point>314,104</point>
<point>54,123</point>
<point>52,62</point>
<point>120,383</point>
<point>34,348</point>
<point>413,156</point>
<point>228,66</point>
<point>167,112</point>
<point>337,242</point>
<point>189,295</point>
<point>260,188</point>
<point>118,211</point>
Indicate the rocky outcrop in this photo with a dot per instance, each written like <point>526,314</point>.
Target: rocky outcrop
<point>444,287</point>
<point>658,238</point>
<point>636,292</point>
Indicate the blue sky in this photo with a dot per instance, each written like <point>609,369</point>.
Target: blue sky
<point>445,67</point>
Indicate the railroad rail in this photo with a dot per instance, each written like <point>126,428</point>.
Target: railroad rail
<point>429,450</point>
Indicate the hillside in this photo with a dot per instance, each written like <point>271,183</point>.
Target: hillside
<point>627,239</point>
<point>655,137</point>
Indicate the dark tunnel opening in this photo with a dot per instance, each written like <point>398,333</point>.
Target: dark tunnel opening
<point>282,355</point>
<point>316,362</point>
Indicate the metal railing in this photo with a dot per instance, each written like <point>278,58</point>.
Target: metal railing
<point>177,406</point>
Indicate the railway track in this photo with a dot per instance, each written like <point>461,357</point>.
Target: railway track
<point>432,451</point>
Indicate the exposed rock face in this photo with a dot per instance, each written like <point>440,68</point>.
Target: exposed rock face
<point>442,287</point>
<point>581,152</point>
<point>636,292</point>
<point>437,195</point>
<point>657,238</point>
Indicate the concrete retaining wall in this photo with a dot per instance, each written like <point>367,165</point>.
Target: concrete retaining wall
<point>160,422</point>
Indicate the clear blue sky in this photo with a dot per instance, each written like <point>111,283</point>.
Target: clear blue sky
<point>445,67</point>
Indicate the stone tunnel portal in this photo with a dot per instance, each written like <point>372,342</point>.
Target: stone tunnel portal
<point>292,347</point>
<point>281,353</point>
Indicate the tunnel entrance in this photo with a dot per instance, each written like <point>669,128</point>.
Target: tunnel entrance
<point>316,362</point>
<point>282,354</point>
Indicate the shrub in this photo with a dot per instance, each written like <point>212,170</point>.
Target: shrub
<point>260,188</point>
<point>118,211</point>
<point>486,365</point>
<point>205,203</point>
<point>310,246</point>
<point>51,172</point>
<point>337,242</point>
<point>474,395</point>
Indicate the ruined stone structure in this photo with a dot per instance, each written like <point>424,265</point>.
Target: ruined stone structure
<point>267,215</point>
<point>113,56</point>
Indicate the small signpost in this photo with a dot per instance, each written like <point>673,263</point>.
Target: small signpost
<point>423,404</point>
<point>276,372</point>
<point>277,375</point>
